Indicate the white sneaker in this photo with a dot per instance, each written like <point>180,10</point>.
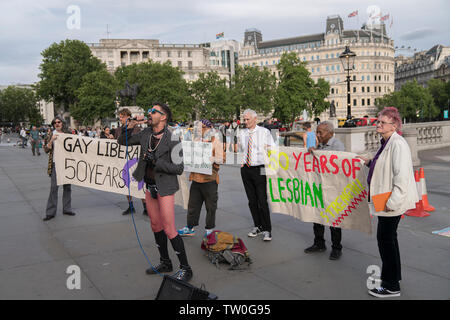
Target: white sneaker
<point>255,232</point>
<point>267,236</point>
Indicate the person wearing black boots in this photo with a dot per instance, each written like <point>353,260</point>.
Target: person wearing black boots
<point>159,170</point>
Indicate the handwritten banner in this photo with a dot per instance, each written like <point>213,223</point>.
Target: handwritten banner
<point>103,164</point>
<point>197,156</point>
<point>326,187</point>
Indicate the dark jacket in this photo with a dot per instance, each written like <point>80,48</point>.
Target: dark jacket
<point>166,170</point>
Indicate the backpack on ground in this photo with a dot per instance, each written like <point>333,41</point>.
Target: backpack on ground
<point>222,246</point>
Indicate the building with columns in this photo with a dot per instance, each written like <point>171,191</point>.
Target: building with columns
<point>192,59</point>
<point>373,73</point>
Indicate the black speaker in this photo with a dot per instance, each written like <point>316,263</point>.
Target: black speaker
<point>174,289</point>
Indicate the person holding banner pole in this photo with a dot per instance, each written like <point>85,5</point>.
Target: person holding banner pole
<point>327,141</point>
<point>392,191</point>
<point>160,161</point>
<point>204,187</point>
<point>52,202</point>
<point>255,141</point>
<point>124,116</point>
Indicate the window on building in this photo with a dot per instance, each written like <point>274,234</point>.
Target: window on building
<point>354,89</point>
<point>180,54</point>
<point>180,64</point>
<point>189,54</point>
<point>368,89</point>
<point>362,102</point>
<point>368,102</point>
<point>169,54</point>
<point>354,102</point>
<point>190,65</point>
<point>374,88</point>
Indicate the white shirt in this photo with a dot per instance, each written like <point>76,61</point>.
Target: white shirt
<point>261,140</point>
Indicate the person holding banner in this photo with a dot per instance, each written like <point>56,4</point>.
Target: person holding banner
<point>392,191</point>
<point>254,141</point>
<point>124,116</point>
<point>159,170</point>
<point>327,141</point>
<point>204,186</point>
<point>52,203</point>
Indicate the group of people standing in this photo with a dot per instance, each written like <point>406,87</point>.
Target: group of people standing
<point>389,171</point>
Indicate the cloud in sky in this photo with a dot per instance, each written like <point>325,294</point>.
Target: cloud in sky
<point>30,26</point>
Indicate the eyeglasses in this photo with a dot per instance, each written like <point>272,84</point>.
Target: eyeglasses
<point>153,111</point>
<point>382,122</point>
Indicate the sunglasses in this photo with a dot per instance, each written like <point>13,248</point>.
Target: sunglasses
<point>153,111</point>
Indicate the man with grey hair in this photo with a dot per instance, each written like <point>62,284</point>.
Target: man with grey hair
<point>254,141</point>
<point>327,141</point>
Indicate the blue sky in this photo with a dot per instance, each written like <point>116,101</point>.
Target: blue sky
<point>28,27</point>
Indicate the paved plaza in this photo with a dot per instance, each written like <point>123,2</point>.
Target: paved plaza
<point>34,255</point>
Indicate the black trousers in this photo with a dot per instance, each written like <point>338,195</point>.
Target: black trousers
<point>336,236</point>
<point>199,193</point>
<point>256,189</point>
<point>391,272</point>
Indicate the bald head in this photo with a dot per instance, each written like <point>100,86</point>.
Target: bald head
<point>325,131</point>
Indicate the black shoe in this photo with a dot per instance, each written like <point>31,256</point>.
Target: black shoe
<point>335,254</point>
<point>69,213</point>
<point>164,266</point>
<point>184,274</point>
<point>315,248</point>
<point>128,211</point>
<point>48,218</point>
<point>384,293</point>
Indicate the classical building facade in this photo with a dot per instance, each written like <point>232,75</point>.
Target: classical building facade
<point>422,66</point>
<point>372,76</point>
<point>192,59</point>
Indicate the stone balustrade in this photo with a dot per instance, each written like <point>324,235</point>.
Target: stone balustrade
<point>420,136</point>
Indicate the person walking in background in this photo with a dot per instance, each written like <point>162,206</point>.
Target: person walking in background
<point>309,137</point>
<point>327,141</point>
<point>52,202</point>
<point>23,137</point>
<point>392,185</point>
<point>35,140</point>
<point>255,141</point>
<point>204,186</point>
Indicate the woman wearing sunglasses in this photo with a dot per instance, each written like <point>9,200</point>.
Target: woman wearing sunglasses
<point>159,171</point>
<point>52,203</point>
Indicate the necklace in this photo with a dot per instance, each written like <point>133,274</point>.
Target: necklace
<point>150,142</point>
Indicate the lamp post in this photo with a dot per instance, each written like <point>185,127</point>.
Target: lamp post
<point>347,59</point>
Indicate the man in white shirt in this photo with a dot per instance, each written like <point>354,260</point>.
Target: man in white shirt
<point>254,141</point>
<point>23,137</point>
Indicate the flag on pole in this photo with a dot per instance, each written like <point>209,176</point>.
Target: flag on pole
<point>353,14</point>
<point>220,35</point>
<point>392,21</point>
<point>383,18</point>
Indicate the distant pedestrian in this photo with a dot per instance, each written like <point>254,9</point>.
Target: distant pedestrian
<point>35,141</point>
<point>390,177</point>
<point>23,137</point>
<point>255,141</point>
<point>309,137</point>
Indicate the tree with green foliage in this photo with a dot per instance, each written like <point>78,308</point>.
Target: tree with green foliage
<point>413,101</point>
<point>297,91</point>
<point>253,88</point>
<point>63,67</point>
<point>440,91</point>
<point>95,98</point>
<point>19,105</point>
<point>157,82</point>
<point>212,97</point>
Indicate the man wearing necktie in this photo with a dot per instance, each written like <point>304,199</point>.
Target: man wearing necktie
<point>254,141</point>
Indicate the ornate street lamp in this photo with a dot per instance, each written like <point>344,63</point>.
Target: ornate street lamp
<point>348,59</point>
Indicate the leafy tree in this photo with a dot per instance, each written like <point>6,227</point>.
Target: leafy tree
<point>96,98</point>
<point>19,105</point>
<point>158,82</point>
<point>318,104</point>
<point>63,67</point>
<point>412,101</point>
<point>254,89</point>
<point>212,96</point>
<point>440,91</point>
<point>295,89</point>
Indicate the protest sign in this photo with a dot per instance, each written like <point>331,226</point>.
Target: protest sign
<point>197,156</point>
<point>325,187</point>
<point>103,164</point>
